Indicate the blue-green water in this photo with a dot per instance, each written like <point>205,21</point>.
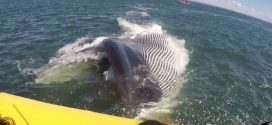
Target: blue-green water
<point>228,76</point>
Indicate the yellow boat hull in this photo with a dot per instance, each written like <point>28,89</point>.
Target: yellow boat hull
<point>25,111</point>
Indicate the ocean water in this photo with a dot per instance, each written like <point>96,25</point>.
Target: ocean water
<point>227,56</point>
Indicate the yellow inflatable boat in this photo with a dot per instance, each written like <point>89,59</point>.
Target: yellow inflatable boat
<point>22,111</point>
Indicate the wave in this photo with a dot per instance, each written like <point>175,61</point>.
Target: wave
<point>73,52</point>
<point>71,62</point>
<point>135,13</point>
<point>131,30</point>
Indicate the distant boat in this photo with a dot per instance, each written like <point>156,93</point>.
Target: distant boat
<point>186,2</point>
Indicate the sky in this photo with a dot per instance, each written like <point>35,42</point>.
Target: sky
<point>261,9</point>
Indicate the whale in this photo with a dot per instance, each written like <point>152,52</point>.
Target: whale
<point>145,68</point>
<point>142,71</point>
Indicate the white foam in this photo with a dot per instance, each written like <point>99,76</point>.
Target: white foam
<point>70,56</point>
<point>98,41</point>
<point>73,47</point>
<point>178,46</point>
<point>109,74</point>
<point>73,52</point>
<point>135,13</point>
<point>159,111</point>
<point>26,71</point>
<point>141,8</point>
<point>132,29</point>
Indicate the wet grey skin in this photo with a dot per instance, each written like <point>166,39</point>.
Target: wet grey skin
<point>131,73</point>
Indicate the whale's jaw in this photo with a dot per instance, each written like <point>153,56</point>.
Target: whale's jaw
<point>131,73</point>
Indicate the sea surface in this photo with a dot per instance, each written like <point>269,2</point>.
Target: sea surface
<point>227,77</point>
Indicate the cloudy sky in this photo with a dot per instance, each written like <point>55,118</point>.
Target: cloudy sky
<point>261,9</point>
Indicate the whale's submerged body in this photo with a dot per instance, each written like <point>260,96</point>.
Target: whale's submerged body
<point>145,68</point>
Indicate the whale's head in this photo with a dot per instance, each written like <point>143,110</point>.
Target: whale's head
<point>131,74</point>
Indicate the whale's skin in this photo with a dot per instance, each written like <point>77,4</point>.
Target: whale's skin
<point>144,67</point>
<point>127,66</point>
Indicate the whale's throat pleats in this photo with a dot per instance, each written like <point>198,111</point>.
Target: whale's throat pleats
<point>160,58</point>
<point>145,66</point>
